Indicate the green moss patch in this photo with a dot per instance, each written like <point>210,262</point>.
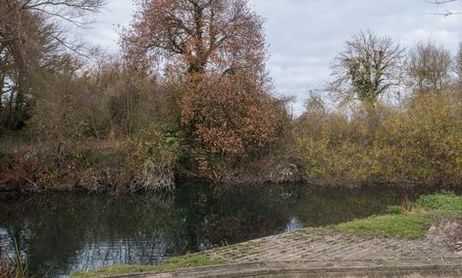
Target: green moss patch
<point>171,264</point>
<point>412,226</point>
<point>442,202</point>
<point>401,224</point>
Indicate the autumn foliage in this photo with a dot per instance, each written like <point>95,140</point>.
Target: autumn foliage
<point>227,120</point>
<point>33,43</point>
<point>189,97</point>
<point>196,36</point>
<point>416,144</point>
<point>412,137</point>
<point>215,50</point>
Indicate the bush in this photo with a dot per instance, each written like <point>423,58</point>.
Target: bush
<point>109,128</point>
<point>227,122</point>
<point>422,143</point>
<point>418,143</point>
<point>395,210</point>
<point>155,153</point>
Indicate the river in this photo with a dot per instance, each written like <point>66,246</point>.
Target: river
<point>66,232</point>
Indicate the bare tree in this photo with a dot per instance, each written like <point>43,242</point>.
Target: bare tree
<point>30,37</point>
<point>458,62</point>
<point>367,68</point>
<point>315,105</point>
<point>428,66</point>
<point>18,18</point>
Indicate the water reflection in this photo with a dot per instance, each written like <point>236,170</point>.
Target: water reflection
<point>293,225</point>
<point>70,232</point>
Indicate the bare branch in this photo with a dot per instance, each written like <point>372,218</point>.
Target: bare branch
<point>443,2</point>
<point>439,2</point>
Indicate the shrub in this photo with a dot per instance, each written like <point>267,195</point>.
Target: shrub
<point>421,144</point>
<point>395,210</point>
<point>418,143</point>
<point>155,153</point>
<point>227,121</point>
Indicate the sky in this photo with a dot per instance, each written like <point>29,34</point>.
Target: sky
<point>304,36</point>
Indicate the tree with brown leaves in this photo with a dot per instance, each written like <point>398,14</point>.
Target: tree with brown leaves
<point>196,36</point>
<point>230,121</point>
<point>217,48</point>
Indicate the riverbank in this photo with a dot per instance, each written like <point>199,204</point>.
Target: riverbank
<point>115,166</point>
<point>429,230</point>
<point>124,165</point>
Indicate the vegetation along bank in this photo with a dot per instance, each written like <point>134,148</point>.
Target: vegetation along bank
<point>189,96</point>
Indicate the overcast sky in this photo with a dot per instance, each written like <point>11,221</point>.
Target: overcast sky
<point>305,35</point>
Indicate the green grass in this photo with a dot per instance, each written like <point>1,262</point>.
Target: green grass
<point>413,224</point>
<point>171,264</point>
<point>441,202</point>
<point>395,210</point>
<point>409,225</point>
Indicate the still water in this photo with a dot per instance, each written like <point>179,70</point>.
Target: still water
<point>62,233</point>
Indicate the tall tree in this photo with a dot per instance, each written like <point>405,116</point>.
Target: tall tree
<point>367,67</point>
<point>196,36</point>
<point>428,66</point>
<point>458,63</point>
<point>217,47</point>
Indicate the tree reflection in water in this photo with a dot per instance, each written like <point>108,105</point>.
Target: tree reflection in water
<point>61,233</point>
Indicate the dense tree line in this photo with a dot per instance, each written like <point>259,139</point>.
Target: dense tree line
<point>190,96</point>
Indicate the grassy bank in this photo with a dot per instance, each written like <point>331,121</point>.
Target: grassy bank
<point>412,222</point>
<point>170,265</point>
